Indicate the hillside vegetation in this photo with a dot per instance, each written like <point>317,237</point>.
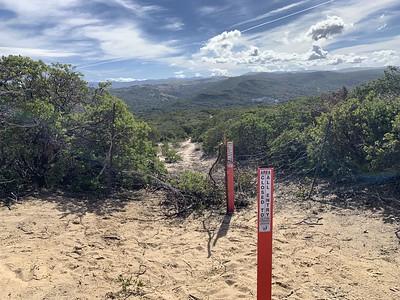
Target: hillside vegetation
<point>56,132</point>
<point>341,135</point>
<point>246,90</point>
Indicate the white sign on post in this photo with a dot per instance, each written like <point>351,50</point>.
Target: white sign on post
<point>265,200</point>
<point>229,154</point>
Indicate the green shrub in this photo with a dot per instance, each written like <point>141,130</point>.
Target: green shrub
<point>196,191</point>
<point>245,181</point>
<point>170,154</point>
<point>193,183</point>
<point>363,137</point>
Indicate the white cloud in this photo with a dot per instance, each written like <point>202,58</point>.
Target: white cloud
<point>317,53</point>
<point>124,79</point>
<point>382,27</point>
<point>38,8</point>
<point>174,25</point>
<point>34,52</point>
<point>284,46</point>
<point>385,53</point>
<point>386,57</point>
<point>219,72</point>
<point>350,59</point>
<point>234,53</point>
<point>76,33</point>
<point>134,7</point>
<point>126,41</point>
<point>333,25</point>
<point>222,44</point>
<point>209,10</point>
<point>180,74</point>
<point>369,48</point>
<point>256,56</point>
<point>230,49</point>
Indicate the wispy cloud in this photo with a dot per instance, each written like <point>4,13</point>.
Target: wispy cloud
<point>134,7</point>
<point>75,32</point>
<point>34,52</point>
<point>180,74</point>
<point>126,41</point>
<point>271,13</point>
<point>115,38</point>
<point>125,79</point>
<point>209,9</point>
<point>286,16</point>
<point>174,24</point>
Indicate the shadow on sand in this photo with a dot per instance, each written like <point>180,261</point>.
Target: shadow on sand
<point>383,198</point>
<point>223,228</point>
<point>73,204</point>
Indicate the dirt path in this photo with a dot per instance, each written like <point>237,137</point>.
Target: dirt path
<point>58,248</point>
<point>192,159</point>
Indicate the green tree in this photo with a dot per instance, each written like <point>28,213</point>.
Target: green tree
<point>55,131</point>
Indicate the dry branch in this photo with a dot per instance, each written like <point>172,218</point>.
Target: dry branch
<point>214,164</point>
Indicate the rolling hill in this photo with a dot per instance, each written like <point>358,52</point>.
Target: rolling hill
<point>249,89</point>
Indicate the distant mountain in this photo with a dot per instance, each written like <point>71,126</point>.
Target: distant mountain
<point>172,81</point>
<point>249,89</point>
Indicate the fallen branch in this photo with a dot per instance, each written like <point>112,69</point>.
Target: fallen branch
<point>157,181</point>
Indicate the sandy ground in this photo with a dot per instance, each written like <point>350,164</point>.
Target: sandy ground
<point>58,248</point>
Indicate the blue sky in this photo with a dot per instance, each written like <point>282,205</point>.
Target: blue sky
<point>141,39</point>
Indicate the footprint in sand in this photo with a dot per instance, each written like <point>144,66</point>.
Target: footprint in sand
<point>18,273</point>
<point>229,279</point>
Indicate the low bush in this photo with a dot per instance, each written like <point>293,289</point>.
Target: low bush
<point>194,191</point>
<point>170,154</point>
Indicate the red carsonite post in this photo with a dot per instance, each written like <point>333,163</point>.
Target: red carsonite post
<point>265,191</point>
<point>230,190</point>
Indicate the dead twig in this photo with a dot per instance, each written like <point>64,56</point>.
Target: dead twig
<point>211,234</point>
<point>214,164</point>
<point>141,272</point>
<point>112,237</point>
<point>307,222</point>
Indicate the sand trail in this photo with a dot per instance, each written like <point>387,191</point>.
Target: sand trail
<point>58,248</point>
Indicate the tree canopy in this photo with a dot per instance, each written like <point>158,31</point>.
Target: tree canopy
<point>57,132</point>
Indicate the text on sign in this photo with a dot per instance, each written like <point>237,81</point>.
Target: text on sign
<point>265,200</point>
